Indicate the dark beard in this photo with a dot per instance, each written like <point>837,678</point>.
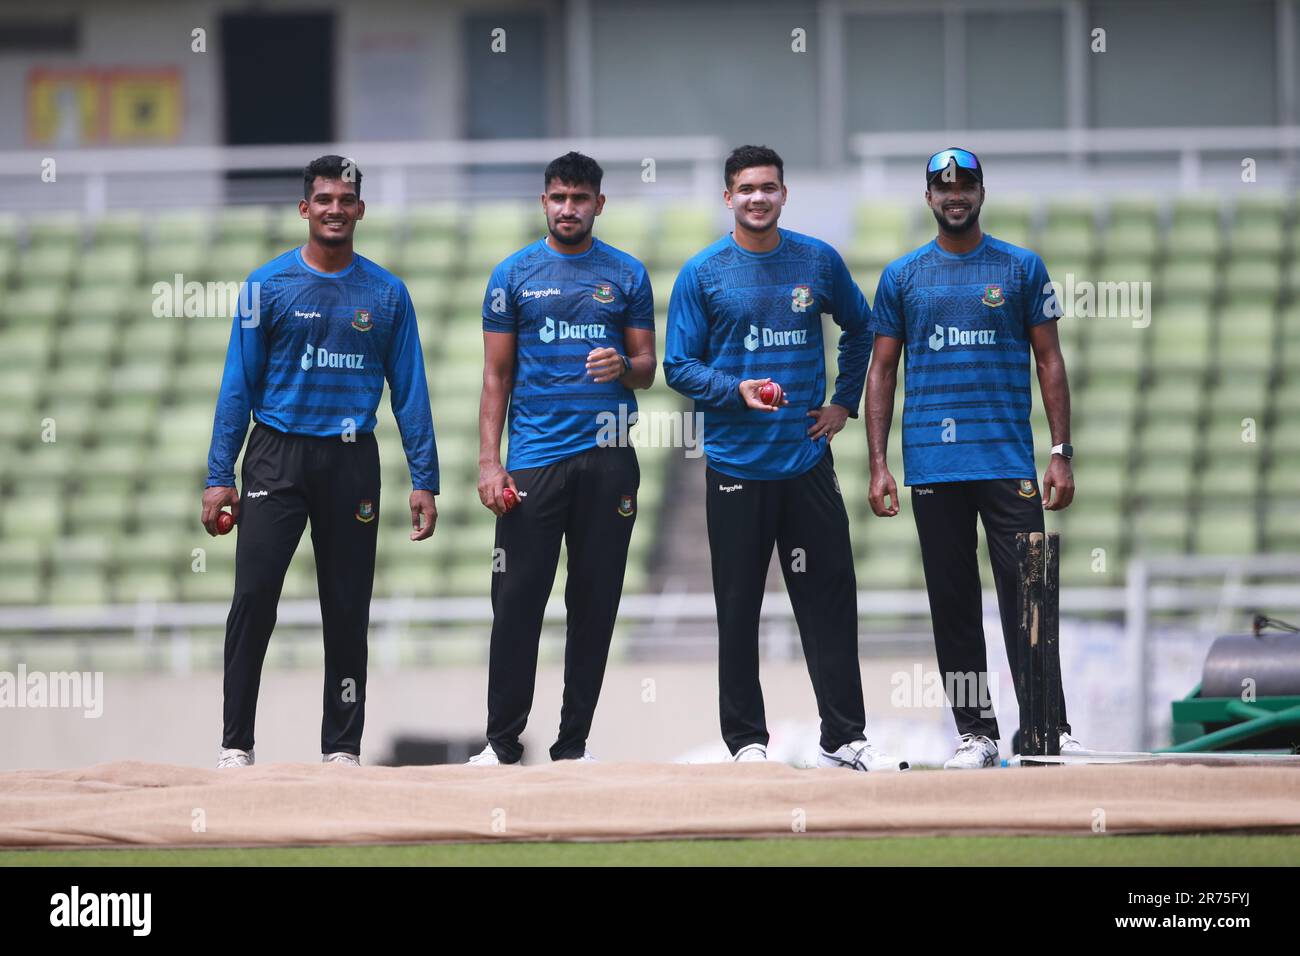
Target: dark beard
<point>577,240</point>
<point>971,220</point>
<point>325,240</point>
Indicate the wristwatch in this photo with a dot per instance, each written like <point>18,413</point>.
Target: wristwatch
<point>627,366</point>
<point>1065,450</point>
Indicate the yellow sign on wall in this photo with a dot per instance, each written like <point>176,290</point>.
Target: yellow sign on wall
<point>85,107</point>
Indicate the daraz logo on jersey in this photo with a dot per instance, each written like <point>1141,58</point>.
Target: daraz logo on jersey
<point>552,330</point>
<point>765,337</point>
<point>951,335</point>
<point>324,358</point>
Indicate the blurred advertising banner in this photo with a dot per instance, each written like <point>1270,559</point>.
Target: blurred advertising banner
<point>97,107</point>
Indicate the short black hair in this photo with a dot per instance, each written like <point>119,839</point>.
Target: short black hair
<point>574,169</point>
<point>330,167</point>
<point>744,157</point>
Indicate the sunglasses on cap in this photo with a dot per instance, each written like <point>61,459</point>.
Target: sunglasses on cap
<point>962,158</point>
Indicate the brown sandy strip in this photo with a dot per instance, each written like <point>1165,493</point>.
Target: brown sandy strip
<point>161,805</point>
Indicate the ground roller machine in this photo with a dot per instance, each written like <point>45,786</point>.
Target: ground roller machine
<point>1249,695</point>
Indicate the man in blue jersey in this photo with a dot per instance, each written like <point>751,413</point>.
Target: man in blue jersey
<point>968,308</point>
<point>568,333</point>
<point>745,312</point>
<point>310,350</point>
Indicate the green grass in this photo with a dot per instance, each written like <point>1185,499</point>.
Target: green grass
<point>1208,850</point>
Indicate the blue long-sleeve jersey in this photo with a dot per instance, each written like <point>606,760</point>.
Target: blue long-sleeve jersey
<point>737,315</point>
<point>309,353</point>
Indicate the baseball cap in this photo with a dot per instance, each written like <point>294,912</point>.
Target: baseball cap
<point>962,158</point>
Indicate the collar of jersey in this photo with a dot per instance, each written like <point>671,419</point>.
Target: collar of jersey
<point>569,255</point>
<point>984,238</point>
<point>325,275</point>
<point>731,237</point>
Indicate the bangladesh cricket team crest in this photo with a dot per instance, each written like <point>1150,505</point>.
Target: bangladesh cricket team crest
<point>362,321</point>
<point>604,292</point>
<point>365,511</point>
<point>625,507</point>
<point>993,296</point>
<point>801,298</point>
<point>1027,489</point>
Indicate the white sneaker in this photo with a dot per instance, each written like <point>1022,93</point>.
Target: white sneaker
<point>974,753</point>
<point>750,753</point>
<point>347,759</point>
<point>230,757</point>
<point>488,758</point>
<point>588,756</point>
<point>1069,745</point>
<point>860,755</point>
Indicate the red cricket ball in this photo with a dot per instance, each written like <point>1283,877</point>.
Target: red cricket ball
<point>770,394</point>
<point>225,521</point>
<point>511,499</point>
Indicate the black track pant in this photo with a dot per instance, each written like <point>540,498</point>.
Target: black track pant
<point>288,479</point>
<point>589,500</point>
<point>804,517</point>
<point>945,521</point>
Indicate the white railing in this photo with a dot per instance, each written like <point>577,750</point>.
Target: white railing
<point>1135,603</point>
<point>1186,148</point>
<point>193,175</point>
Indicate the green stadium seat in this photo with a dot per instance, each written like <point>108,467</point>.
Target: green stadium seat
<point>1200,210</point>
<point>22,587</point>
<point>1227,480</point>
<point>1253,280</point>
<point>55,229</point>
<point>1167,438</point>
<point>1161,528</point>
<point>1180,343</point>
<point>123,227</point>
<point>1282,526</point>
<point>154,340</point>
<point>139,378</point>
<point>288,228</point>
<point>10,227</point>
<point>20,555</point>
<point>18,389</point>
<point>378,250</point>
<point>1166,482</point>
<point>99,305</point>
<point>32,516</point>
<point>1070,242</point>
<point>1271,207</point>
<point>186,227</point>
<point>47,264</point>
<point>85,382</point>
<point>1224,528</point>
<point>1126,210</point>
<point>217,583</point>
<point>381,223</point>
<point>82,588</point>
<point>165,260</point>
<point>239,224</point>
<point>1258,240</point>
<point>1247,337</point>
<point>1136,239</point>
<point>136,586</point>
<point>33,306</point>
<point>437,220</point>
